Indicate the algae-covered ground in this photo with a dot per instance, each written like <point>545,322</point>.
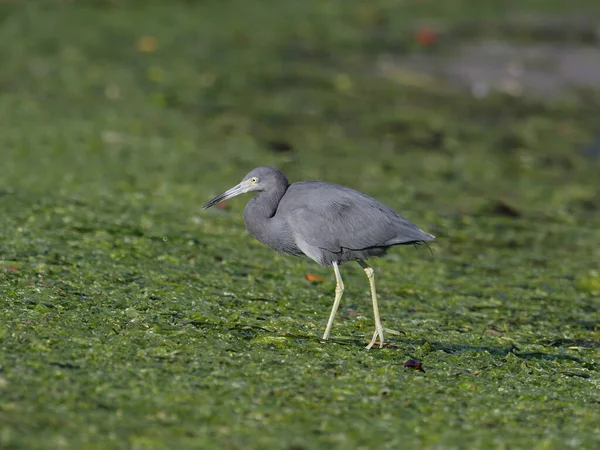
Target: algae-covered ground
<point>130,318</point>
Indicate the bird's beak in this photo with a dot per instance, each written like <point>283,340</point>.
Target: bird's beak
<point>241,188</point>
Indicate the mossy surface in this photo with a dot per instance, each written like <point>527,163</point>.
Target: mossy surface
<point>130,318</point>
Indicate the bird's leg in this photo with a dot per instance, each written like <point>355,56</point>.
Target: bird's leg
<point>378,326</point>
<point>339,290</point>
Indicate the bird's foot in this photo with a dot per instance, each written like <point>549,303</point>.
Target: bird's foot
<point>378,333</point>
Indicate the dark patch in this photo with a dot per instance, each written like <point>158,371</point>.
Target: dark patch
<point>414,364</point>
<point>64,365</point>
<point>296,447</point>
<point>547,356</point>
<point>280,146</point>
<point>501,208</point>
<point>590,204</point>
<point>260,299</point>
<point>105,407</point>
<point>573,343</point>
<point>385,392</point>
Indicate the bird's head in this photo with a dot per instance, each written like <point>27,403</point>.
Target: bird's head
<point>259,179</point>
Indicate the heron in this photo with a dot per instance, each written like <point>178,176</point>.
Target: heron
<point>328,223</point>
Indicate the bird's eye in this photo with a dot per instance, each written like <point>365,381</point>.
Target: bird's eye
<point>253,180</point>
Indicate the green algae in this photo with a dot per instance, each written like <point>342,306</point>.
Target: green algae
<point>131,319</point>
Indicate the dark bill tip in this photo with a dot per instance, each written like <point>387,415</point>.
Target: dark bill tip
<point>236,190</point>
<point>214,201</point>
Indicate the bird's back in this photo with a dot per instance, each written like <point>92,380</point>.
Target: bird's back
<point>335,223</point>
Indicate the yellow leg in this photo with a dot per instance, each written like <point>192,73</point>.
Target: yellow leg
<point>378,326</point>
<point>339,290</point>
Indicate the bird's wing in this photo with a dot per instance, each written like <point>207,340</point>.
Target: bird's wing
<point>334,218</point>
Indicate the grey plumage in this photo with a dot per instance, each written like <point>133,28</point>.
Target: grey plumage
<point>329,223</point>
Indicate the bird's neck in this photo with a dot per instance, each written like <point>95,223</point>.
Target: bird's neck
<point>261,210</point>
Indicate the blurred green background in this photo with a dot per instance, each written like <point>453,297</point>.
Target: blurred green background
<point>129,318</point>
